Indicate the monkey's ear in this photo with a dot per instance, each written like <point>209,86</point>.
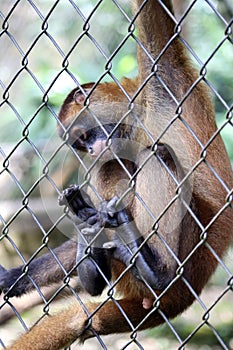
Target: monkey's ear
<point>79,97</point>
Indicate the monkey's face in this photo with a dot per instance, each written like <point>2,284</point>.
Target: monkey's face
<point>92,140</point>
<point>90,125</point>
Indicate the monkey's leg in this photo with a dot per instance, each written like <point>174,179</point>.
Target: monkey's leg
<point>60,330</point>
<point>131,248</point>
<point>92,259</point>
<point>93,263</point>
<point>43,270</point>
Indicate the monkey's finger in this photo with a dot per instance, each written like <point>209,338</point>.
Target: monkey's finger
<point>87,231</point>
<point>67,193</point>
<point>109,245</point>
<point>111,206</point>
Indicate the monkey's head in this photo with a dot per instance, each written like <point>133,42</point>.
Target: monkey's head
<point>90,117</point>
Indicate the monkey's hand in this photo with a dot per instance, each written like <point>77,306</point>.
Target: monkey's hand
<point>8,279</point>
<point>80,204</point>
<point>39,272</point>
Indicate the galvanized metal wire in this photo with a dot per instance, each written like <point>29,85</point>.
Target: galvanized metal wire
<point>10,13</point>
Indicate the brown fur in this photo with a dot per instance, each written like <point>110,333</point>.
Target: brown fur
<point>208,195</point>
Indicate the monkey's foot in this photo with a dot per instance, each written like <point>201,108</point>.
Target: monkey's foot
<point>80,204</point>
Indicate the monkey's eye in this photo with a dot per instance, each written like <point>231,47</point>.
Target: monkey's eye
<point>83,137</point>
<point>78,138</point>
<point>78,134</point>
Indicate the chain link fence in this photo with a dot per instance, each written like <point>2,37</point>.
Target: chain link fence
<point>47,48</point>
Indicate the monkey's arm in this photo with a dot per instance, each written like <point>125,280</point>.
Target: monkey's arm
<point>43,270</point>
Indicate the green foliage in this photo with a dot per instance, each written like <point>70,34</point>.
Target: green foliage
<point>207,34</point>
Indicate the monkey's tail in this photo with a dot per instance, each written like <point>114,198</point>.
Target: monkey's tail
<point>62,329</point>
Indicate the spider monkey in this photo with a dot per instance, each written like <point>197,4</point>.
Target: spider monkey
<point>167,255</point>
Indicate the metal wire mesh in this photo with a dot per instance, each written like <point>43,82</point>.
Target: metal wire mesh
<point>37,165</point>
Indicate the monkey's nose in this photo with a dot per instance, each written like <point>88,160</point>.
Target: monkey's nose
<point>90,150</point>
<point>97,147</point>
